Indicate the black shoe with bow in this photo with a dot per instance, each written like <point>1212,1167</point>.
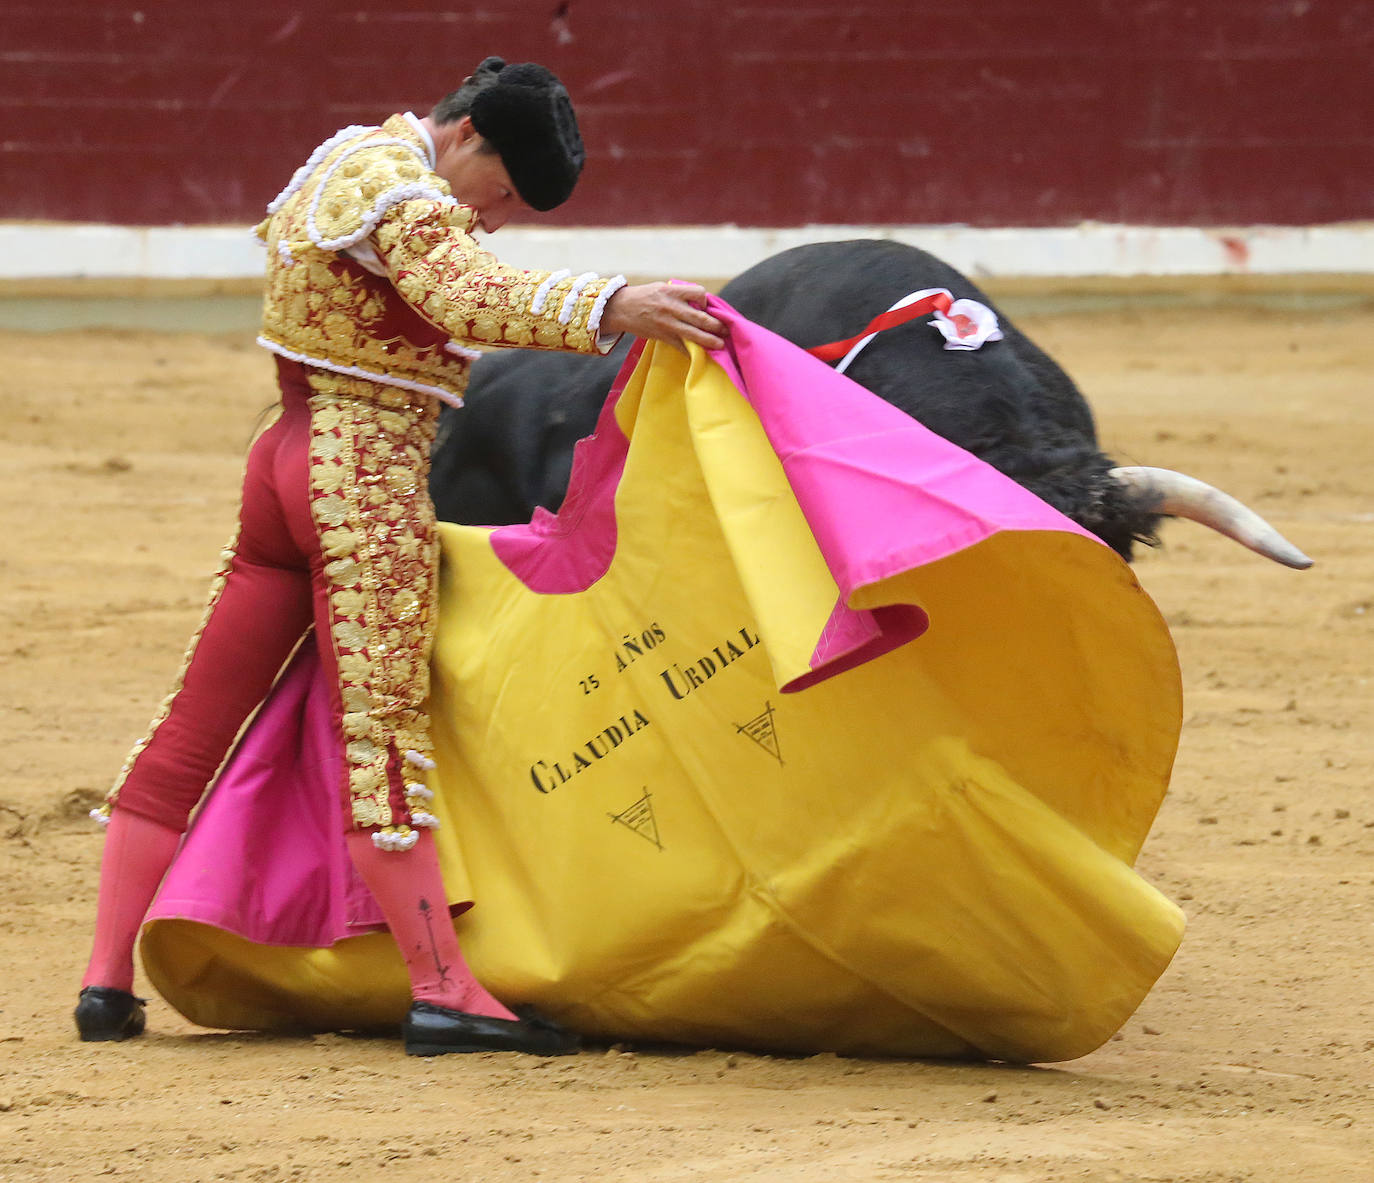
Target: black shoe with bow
<point>103,1013</point>
<point>431,1030</point>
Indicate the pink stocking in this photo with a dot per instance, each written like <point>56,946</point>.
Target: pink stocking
<point>410,889</point>
<point>137,854</point>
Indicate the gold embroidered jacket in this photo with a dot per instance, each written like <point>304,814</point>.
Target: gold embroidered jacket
<point>373,272</point>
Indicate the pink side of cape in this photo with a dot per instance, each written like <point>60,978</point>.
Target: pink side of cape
<point>265,857</point>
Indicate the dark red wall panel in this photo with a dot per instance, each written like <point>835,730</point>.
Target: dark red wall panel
<point>885,111</point>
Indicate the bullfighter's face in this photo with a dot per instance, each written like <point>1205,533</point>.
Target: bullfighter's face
<point>476,174</point>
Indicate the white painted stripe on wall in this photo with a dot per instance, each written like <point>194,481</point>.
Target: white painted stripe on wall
<point>78,250</point>
<point>61,250</point>
<point>1089,250</point>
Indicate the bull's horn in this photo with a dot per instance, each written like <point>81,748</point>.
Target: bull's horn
<point>1160,490</point>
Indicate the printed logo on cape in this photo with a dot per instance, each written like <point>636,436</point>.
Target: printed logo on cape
<point>547,775</point>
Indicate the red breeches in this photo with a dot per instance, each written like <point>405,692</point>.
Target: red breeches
<point>314,532</point>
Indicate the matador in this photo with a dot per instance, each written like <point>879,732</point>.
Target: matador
<point>376,294</point>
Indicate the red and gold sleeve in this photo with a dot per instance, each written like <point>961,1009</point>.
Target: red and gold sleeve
<point>439,269</point>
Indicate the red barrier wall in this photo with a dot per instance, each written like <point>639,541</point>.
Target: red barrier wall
<point>757,113</point>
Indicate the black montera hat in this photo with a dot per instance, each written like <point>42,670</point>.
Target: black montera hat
<point>527,117</point>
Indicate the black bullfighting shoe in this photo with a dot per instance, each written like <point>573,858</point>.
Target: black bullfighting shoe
<point>431,1030</point>
<point>103,1013</point>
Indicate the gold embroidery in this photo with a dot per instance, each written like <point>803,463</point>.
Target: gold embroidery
<point>319,305</point>
<point>439,267</point>
<point>382,583</point>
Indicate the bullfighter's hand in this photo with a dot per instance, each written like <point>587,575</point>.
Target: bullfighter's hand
<point>671,312</point>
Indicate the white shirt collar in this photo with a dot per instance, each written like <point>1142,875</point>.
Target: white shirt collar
<point>423,132</point>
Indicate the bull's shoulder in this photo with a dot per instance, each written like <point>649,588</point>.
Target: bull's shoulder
<point>826,291</point>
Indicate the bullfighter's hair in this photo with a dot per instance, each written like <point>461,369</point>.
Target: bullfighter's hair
<point>453,106</point>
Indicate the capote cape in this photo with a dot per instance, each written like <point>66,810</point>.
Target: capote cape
<point>796,728</point>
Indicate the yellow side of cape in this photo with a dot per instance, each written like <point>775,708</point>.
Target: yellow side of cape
<point>927,855</point>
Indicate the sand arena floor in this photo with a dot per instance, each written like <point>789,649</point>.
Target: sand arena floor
<point>1252,1060</point>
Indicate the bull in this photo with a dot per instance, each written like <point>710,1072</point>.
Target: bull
<point>1008,402</point>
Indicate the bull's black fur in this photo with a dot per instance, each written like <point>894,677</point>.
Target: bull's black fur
<point>1008,403</point>
<point>509,448</point>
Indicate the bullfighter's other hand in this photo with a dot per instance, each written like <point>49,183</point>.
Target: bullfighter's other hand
<point>671,312</point>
